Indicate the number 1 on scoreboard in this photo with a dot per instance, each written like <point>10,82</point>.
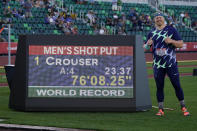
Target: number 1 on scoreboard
<point>37,60</point>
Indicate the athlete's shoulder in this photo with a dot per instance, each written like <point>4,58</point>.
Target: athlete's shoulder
<point>153,29</point>
<point>169,27</point>
<point>175,35</point>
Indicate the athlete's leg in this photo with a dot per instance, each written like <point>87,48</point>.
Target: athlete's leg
<point>173,74</point>
<point>174,78</point>
<point>159,75</point>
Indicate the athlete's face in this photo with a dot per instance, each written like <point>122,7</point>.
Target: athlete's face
<point>159,20</point>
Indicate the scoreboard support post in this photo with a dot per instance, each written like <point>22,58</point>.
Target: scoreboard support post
<point>79,73</point>
<point>142,88</point>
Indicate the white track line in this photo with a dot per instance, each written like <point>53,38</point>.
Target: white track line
<point>170,109</point>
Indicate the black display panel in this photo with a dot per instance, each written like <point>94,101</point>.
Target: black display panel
<point>78,73</point>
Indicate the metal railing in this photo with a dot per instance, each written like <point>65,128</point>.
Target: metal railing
<point>179,2</point>
<point>8,27</point>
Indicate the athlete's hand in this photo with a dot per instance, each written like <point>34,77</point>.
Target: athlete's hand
<point>168,40</point>
<point>150,41</point>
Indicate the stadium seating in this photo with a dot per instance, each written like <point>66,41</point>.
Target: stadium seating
<point>187,34</point>
<point>36,24</point>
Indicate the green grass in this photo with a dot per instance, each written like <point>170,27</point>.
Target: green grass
<point>3,79</point>
<point>2,70</point>
<point>116,121</point>
<point>146,121</point>
<point>188,63</point>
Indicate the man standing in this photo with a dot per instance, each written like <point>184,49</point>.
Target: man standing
<point>164,40</point>
<point>28,6</point>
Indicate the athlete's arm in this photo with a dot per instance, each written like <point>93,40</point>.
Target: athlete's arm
<point>176,43</point>
<point>148,44</point>
<point>176,39</point>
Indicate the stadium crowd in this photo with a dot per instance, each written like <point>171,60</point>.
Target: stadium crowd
<point>65,19</point>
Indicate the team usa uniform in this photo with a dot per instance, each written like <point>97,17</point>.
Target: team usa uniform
<point>164,61</point>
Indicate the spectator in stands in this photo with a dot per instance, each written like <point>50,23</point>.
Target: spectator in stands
<point>46,3</point>
<point>182,15</point>
<point>21,13</point>
<point>148,20</point>
<point>6,2</point>
<point>74,30</point>
<point>60,23</point>
<point>170,20</point>
<point>15,13</point>
<point>123,17</point>
<point>119,5</point>
<point>49,4</point>
<point>39,3</point>
<point>185,16</point>
<point>96,30</point>
<point>73,15</point>
<point>143,18</point>
<point>22,2</point>
<point>51,20</point>
<point>63,14</point>
<point>28,6</point>
<point>52,10</point>
<point>91,2</point>
<point>69,19</point>
<point>114,5</point>
<point>121,31</point>
<point>108,30</point>
<point>91,18</point>
<point>186,19</point>
<point>140,23</point>
<point>8,14</point>
<point>134,20</point>
<point>109,21</point>
<point>67,28</point>
<point>115,19</point>
<point>46,19</point>
<point>120,24</point>
<point>132,14</point>
<point>42,5</point>
<point>102,31</point>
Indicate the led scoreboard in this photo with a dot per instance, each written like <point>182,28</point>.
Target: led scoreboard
<point>79,73</point>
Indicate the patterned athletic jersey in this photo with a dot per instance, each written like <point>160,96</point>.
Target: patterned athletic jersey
<point>163,54</point>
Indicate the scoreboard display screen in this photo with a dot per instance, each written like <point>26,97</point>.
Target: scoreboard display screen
<point>80,71</point>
